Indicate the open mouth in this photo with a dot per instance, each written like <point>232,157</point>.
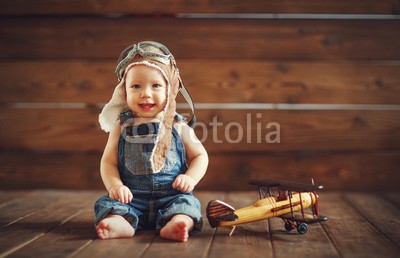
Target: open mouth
<point>147,106</point>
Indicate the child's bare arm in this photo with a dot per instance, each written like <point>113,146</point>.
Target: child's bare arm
<point>109,170</point>
<point>198,160</point>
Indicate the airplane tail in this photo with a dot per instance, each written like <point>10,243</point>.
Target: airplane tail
<point>219,211</point>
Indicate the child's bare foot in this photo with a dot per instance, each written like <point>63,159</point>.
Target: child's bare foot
<point>114,226</point>
<point>177,228</point>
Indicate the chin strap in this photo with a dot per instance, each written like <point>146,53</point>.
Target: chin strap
<point>184,92</point>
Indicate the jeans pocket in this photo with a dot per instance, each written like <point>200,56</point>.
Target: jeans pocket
<point>136,161</point>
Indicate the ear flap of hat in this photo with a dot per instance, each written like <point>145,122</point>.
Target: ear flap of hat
<point>108,117</point>
<point>164,137</point>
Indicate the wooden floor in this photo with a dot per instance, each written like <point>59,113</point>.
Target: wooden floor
<point>48,223</point>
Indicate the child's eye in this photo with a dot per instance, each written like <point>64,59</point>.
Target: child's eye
<point>135,86</point>
<point>156,85</point>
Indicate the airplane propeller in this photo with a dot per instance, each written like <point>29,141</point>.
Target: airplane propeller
<point>315,206</point>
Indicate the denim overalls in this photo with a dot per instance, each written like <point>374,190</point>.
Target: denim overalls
<point>154,201</point>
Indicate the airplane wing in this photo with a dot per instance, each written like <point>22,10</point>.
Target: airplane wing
<point>286,185</point>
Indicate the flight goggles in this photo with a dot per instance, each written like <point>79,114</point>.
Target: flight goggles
<point>140,49</point>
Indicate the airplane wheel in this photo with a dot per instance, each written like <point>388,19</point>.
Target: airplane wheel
<point>288,226</point>
<point>302,228</point>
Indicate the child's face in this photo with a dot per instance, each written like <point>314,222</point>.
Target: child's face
<point>146,91</point>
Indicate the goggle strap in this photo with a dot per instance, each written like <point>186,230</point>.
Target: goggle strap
<point>184,92</point>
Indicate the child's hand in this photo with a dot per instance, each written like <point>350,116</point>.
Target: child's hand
<point>184,183</point>
<point>120,193</point>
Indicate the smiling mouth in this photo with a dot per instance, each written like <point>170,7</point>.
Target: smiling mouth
<point>147,106</point>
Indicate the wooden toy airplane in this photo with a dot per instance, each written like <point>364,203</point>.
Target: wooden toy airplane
<point>278,198</point>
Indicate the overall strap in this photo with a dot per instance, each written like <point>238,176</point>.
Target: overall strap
<point>125,116</point>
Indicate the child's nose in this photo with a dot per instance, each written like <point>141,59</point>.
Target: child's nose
<point>146,92</point>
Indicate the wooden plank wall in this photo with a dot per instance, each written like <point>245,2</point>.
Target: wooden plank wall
<point>322,74</point>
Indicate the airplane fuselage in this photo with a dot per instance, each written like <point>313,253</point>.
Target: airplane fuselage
<point>271,207</point>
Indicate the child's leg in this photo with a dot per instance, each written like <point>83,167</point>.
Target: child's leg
<point>178,228</point>
<point>115,219</point>
<point>114,226</point>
